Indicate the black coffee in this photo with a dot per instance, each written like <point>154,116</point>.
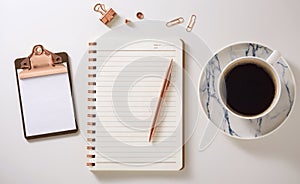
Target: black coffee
<point>250,89</point>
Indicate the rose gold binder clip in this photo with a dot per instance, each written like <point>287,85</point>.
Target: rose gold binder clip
<point>41,62</point>
<point>191,23</point>
<point>174,22</point>
<point>107,15</point>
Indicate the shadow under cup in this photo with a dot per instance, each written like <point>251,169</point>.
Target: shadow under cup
<point>249,87</point>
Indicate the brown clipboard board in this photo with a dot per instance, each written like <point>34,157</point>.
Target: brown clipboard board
<point>54,63</point>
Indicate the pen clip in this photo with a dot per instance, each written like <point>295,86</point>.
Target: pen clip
<point>169,74</point>
<point>168,81</point>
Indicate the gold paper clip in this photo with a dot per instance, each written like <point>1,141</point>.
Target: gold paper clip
<point>107,15</point>
<point>191,23</point>
<point>174,22</point>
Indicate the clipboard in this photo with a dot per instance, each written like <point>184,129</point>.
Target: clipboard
<point>45,93</point>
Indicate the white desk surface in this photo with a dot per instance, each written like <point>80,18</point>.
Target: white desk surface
<point>69,25</point>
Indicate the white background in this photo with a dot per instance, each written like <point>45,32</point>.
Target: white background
<point>69,25</point>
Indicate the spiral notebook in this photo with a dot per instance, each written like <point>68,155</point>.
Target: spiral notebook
<point>124,85</point>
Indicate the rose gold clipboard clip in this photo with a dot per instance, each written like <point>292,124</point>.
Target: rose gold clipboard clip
<point>41,62</point>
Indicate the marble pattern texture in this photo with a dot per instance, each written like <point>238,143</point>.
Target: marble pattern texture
<point>224,119</point>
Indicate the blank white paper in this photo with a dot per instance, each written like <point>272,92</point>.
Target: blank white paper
<point>47,104</point>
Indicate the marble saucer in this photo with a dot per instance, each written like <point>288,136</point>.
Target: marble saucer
<point>225,120</point>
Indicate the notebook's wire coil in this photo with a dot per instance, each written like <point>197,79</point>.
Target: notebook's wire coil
<point>91,75</point>
<point>92,51</point>
<point>92,59</point>
<point>91,131</point>
<point>91,139</point>
<point>92,83</point>
<point>91,115</point>
<point>91,91</point>
<point>91,107</point>
<point>90,147</point>
<point>91,122</point>
<point>92,43</point>
<point>90,164</point>
<point>92,67</point>
<point>90,156</point>
<point>91,99</point>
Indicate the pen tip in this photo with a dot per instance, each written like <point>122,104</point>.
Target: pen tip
<point>151,134</point>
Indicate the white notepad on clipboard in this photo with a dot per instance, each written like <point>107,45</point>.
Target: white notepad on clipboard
<point>44,87</point>
<point>124,86</point>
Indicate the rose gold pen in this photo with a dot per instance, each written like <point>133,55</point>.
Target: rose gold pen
<point>160,100</point>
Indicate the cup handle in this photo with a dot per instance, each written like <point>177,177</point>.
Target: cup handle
<point>273,57</point>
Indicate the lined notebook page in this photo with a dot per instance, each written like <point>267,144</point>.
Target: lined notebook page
<point>128,84</point>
